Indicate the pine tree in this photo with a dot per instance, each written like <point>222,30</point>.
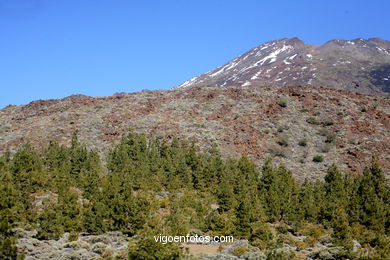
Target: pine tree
<point>279,191</point>
<point>335,194</point>
<point>71,208</point>
<point>248,213</point>
<point>50,223</point>
<point>26,160</point>
<point>310,201</point>
<point>372,190</point>
<point>226,190</point>
<point>11,211</point>
<point>57,162</point>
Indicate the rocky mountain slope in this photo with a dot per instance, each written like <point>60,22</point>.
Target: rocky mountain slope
<point>305,128</point>
<point>358,65</point>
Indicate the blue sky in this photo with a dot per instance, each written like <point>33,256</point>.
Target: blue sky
<point>52,49</point>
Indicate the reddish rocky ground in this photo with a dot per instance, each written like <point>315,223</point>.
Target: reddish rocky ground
<point>291,124</point>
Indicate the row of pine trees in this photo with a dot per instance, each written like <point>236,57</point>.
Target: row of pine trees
<point>147,186</point>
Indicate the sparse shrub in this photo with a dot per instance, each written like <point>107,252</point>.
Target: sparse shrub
<point>304,110</point>
<point>147,248</point>
<point>108,252</point>
<point>310,241</point>
<point>73,236</point>
<point>262,233</point>
<point>266,131</point>
<point>323,132</point>
<point>99,248</point>
<point>77,245</point>
<point>317,113</point>
<point>325,148</point>
<point>328,122</point>
<point>363,109</point>
<point>313,121</point>
<point>282,101</point>
<point>282,140</point>
<point>282,128</point>
<point>352,141</point>
<point>302,160</point>
<point>283,229</point>
<point>221,247</point>
<point>318,158</point>
<point>277,151</point>
<point>281,255</point>
<point>302,142</point>
<point>330,137</point>
<point>259,244</point>
<point>313,230</point>
<point>240,250</point>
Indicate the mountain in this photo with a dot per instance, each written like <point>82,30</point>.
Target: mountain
<point>291,124</point>
<point>358,65</point>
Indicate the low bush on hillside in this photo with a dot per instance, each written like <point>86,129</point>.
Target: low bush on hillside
<point>318,158</point>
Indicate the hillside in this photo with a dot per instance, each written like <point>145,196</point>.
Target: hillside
<point>357,65</point>
<point>291,124</point>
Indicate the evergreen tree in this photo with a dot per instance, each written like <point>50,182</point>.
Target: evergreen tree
<point>279,191</point>
<point>57,162</point>
<point>335,194</point>
<point>11,211</point>
<point>310,201</point>
<point>248,213</point>
<point>226,190</point>
<point>372,190</point>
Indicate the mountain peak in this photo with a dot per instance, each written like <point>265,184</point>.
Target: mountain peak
<point>359,65</point>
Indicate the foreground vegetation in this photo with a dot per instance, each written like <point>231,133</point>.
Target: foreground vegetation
<point>154,186</point>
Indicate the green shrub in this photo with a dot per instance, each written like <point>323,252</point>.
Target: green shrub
<point>240,250</point>
<point>302,142</point>
<point>8,249</point>
<point>318,158</point>
<point>282,140</point>
<point>325,148</point>
<point>73,236</point>
<point>277,151</point>
<point>148,248</point>
<point>327,123</point>
<point>313,230</point>
<point>282,128</point>
<point>282,102</point>
<point>313,121</point>
<point>330,137</point>
<point>281,255</point>
<point>283,229</point>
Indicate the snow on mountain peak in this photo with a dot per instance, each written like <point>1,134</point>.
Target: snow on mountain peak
<point>289,61</point>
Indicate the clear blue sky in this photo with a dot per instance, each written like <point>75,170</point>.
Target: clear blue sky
<point>52,49</point>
